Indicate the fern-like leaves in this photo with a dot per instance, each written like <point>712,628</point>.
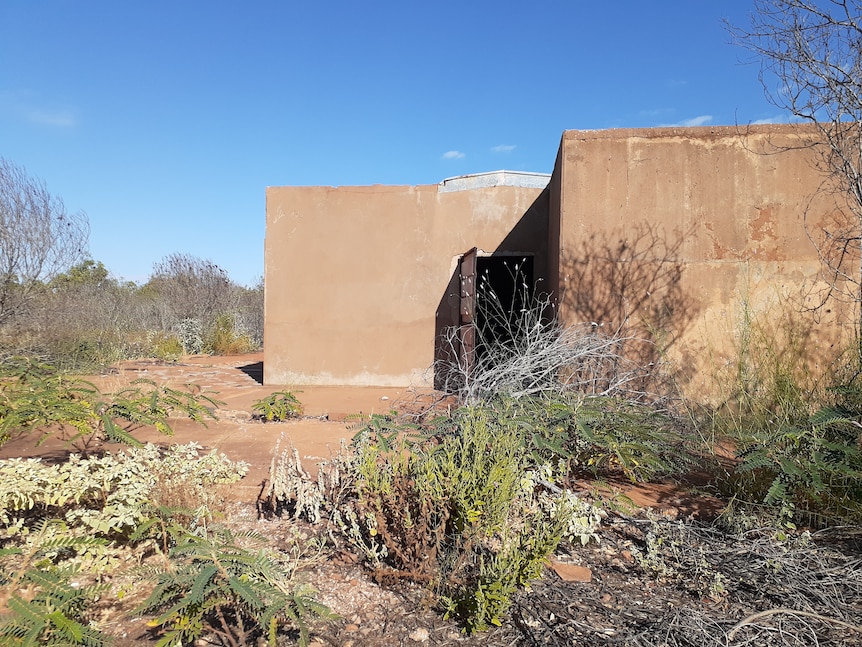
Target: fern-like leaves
<point>230,586</point>
<point>51,613</point>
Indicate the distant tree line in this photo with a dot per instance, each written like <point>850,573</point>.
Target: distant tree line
<point>57,302</point>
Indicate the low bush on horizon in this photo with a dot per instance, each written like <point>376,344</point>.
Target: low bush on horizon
<point>226,337</point>
<point>83,319</point>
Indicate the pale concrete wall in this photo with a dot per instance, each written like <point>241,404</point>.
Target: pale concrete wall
<point>688,231</point>
<point>356,276</point>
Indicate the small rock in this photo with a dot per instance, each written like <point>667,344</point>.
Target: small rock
<point>571,572</point>
<point>419,635</point>
<point>346,557</point>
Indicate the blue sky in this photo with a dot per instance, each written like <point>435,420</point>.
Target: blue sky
<point>166,121</point>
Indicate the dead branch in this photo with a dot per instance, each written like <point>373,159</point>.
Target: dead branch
<point>754,617</point>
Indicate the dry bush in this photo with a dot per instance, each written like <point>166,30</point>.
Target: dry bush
<point>530,352</point>
<point>85,319</point>
<point>38,240</point>
<point>188,287</point>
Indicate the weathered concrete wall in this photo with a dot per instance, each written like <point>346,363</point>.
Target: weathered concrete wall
<point>357,277</point>
<point>682,233</point>
<point>689,231</point>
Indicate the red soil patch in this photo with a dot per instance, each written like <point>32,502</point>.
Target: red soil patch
<point>330,414</point>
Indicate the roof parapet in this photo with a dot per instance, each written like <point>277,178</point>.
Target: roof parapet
<point>494,178</point>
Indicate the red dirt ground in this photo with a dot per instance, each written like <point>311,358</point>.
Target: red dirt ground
<point>370,614</point>
<point>329,417</point>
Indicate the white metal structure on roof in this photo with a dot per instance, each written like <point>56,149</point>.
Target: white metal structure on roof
<point>494,178</point>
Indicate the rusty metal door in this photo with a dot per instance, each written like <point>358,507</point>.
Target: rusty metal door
<point>467,327</point>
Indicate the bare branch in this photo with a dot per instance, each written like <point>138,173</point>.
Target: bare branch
<point>522,350</point>
<point>39,239</point>
<point>810,55</point>
<point>191,287</point>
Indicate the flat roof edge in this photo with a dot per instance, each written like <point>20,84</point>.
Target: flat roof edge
<point>521,179</point>
<point>740,130</point>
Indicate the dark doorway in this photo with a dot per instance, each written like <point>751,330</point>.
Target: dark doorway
<point>483,306</point>
<point>504,291</point>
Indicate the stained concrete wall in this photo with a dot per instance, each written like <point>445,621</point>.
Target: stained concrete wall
<point>690,233</point>
<point>680,233</point>
<point>359,279</point>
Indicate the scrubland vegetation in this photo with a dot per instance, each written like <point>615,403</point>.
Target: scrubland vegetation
<point>464,502</point>
<point>59,304</point>
<point>83,319</point>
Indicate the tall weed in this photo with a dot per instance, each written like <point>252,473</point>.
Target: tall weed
<point>226,338</point>
<point>458,506</point>
<point>796,444</point>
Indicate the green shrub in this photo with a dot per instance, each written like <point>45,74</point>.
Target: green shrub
<point>224,338</point>
<point>598,434</point>
<point>215,585</point>
<point>811,469</point>
<point>797,445</point>
<point>145,403</point>
<point>634,438</point>
<point>53,610</point>
<point>277,407</point>
<point>36,398</point>
<point>166,347</point>
<point>108,496</point>
<point>458,506</point>
<point>61,524</point>
<point>484,598</point>
<point>487,461</point>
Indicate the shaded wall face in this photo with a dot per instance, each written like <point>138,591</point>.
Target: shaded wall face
<point>554,196</point>
<point>679,234</point>
<point>356,277</point>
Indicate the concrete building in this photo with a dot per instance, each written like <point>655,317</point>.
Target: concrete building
<point>674,231</point>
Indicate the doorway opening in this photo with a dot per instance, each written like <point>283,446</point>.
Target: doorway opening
<point>495,292</point>
<point>504,291</point>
